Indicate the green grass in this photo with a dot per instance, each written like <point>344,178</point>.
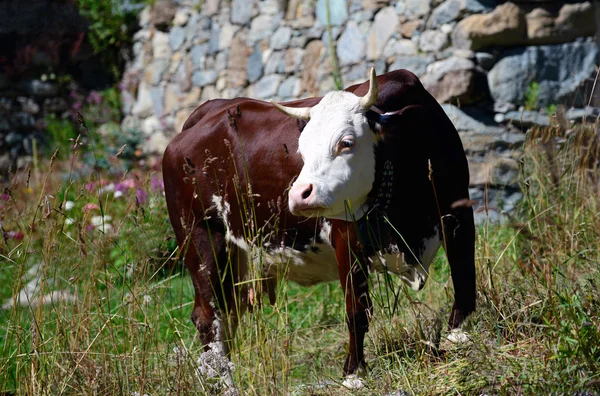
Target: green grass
<point>536,329</point>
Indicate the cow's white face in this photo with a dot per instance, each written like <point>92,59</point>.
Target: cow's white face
<point>339,160</point>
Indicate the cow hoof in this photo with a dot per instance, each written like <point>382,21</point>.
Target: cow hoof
<point>353,382</point>
<point>457,336</point>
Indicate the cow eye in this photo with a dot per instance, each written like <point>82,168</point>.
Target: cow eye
<point>346,144</point>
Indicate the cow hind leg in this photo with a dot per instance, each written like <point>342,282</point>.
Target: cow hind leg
<point>459,230</point>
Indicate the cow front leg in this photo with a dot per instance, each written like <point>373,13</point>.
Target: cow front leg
<point>459,231</point>
<point>353,274</point>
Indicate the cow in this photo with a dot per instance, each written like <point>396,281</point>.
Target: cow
<point>374,177</point>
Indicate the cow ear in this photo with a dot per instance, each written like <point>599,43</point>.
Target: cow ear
<point>378,122</point>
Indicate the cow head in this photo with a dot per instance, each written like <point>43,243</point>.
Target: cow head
<point>337,146</point>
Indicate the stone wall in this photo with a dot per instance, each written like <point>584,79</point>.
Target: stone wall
<point>483,59</point>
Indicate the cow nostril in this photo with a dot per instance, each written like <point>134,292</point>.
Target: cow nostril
<point>306,193</point>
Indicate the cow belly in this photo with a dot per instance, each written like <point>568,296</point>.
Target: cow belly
<point>315,264</point>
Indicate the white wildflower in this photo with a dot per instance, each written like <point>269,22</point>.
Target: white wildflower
<point>69,205</point>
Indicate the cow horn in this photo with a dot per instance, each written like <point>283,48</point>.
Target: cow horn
<point>371,97</point>
<point>302,113</point>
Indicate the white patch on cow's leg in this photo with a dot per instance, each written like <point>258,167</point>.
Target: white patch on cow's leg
<point>214,367</point>
<point>458,336</point>
<point>353,382</point>
<point>224,210</point>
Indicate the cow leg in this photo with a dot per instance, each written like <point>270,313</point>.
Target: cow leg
<point>216,306</point>
<point>459,231</point>
<point>353,275</point>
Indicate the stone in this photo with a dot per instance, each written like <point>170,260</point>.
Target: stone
<point>351,45</point>
<point>201,78</point>
<point>160,45</point>
<point>416,64</point>
<point>433,41</point>
<point>494,170</point>
<point>173,98</point>
<point>143,105</point>
<point>162,13</point>
<point>292,60</point>
<point>504,26</point>
<point>156,143</point>
<point>338,12</point>
<point>181,17</point>
<point>401,47</point>
<point>226,34</point>
<point>478,6</point>
<point>255,65</point>
<point>362,16</point>
<point>289,88</point>
<point>262,27</point>
<point>198,55</point>
<point>180,118</point>
<point>154,73</point>
<point>176,37</point>
<point>524,119</point>
<point>465,122</point>
<point>485,60</point>
<point>210,7</point>
<point>151,125</point>
<point>573,20</point>
<point>241,11</point>
<point>281,38</point>
<point>384,26</point>
<point>310,74</point>
<point>374,4</point>
<point>266,87</point>
<point>455,80</point>
<point>270,7</point>
<point>157,97</point>
<point>275,63</point>
<point>408,29</point>
<point>446,12</point>
<point>416,8</point>
<point>559,70</point>
<point>40,88</point>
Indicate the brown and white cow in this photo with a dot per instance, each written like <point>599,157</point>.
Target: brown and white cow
<point>373,177</point>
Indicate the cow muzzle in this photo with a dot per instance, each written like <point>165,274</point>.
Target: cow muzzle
<point>302,199</point>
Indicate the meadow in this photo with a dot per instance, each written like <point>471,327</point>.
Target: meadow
<point>96,301</point>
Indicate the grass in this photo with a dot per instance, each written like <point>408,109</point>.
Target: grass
<point>120,324</point>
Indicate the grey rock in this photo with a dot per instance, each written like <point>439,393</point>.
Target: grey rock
<point>433,41</point>
<point>198,55</point>
<point>440,68</point>
<point>464,122</point>
<point>275,63</point>
<point>176,37</point>
<point>226,35</point>
<point>338,12</point>
<point>384,26</point>
<point>479,6</point>
<point>160,45</point>
<point>241,11</point>
<point>416,64</point>
<point>12,138</point>
<point>221,60</point>
<point>577,115</point>
<point>558,70</point>
<point>351,45</point>
<point>266,87</point>
<point>416,8</point>
<point>154,73</point>
<point>485,60</point>
<point>263,26</point>
<point>213,43</point>
<point>402,47</point>
<point>524,119</point>
<point>289,88</point>
<point>143,105</point>
<point>181,17</point>
<point>335,33</point>
<point>28,105</point>
<point>255,65</point>
<point>362,16</point>
<point>281,38</point>
<point>157,95</point>
<point>201,78</point>
<point>446,12</point>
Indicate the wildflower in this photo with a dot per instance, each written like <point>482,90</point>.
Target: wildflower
<point>91,186</point>
<point>94,98</point>
<point>147,299</point>
<point>141,196</point>
<point>99,220</point>
<point>89,207</point>
<point>16,235</point>
<point>118,194</point>
<point>69,205</point>
<point>69,221</point>
<point>157,184</point>
<point>4,197</point>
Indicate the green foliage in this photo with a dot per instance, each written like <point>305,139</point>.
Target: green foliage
<point>532,95</point>
<point>61,132</point>
<point>111,30</point>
